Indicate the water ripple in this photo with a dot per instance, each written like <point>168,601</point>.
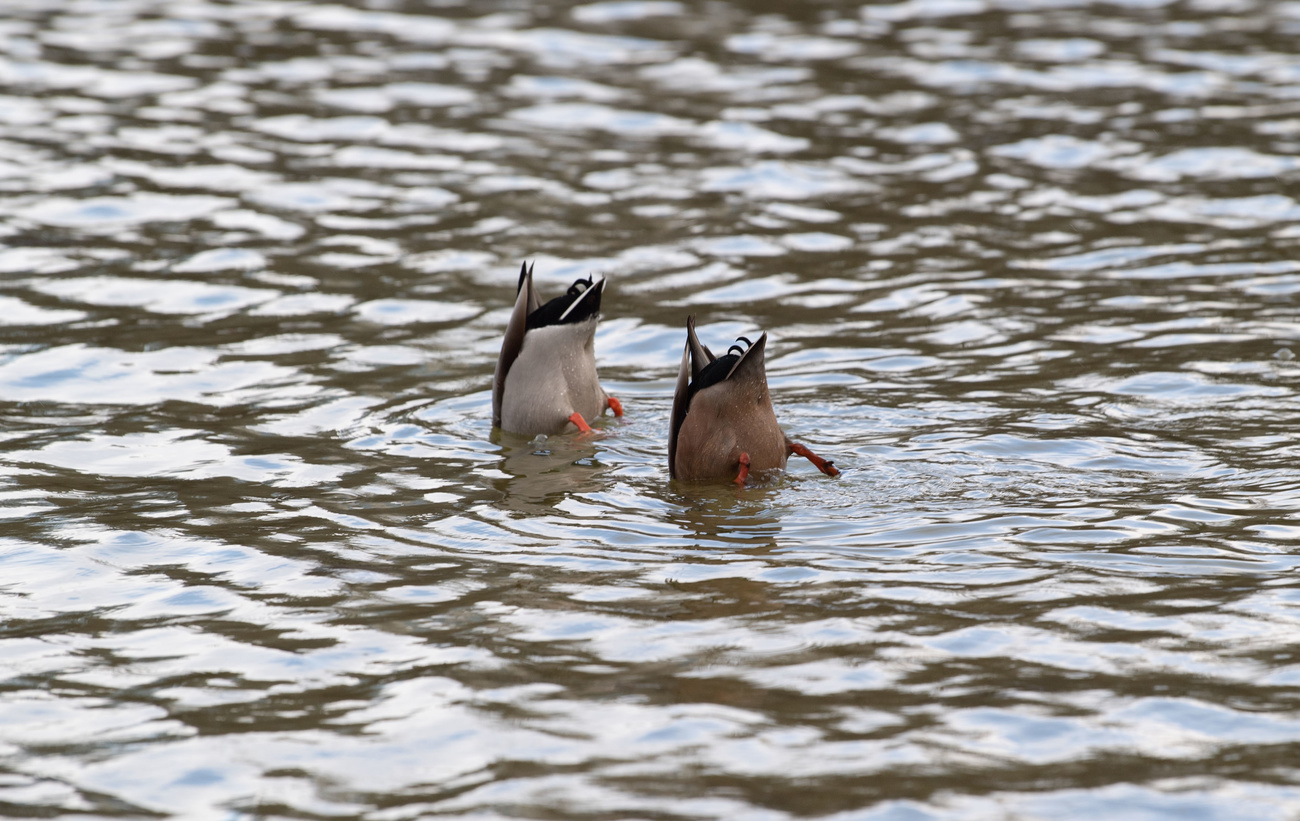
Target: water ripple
<point>1026,270</point>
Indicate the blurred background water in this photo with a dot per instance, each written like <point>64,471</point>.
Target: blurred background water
<point>1029,270</point>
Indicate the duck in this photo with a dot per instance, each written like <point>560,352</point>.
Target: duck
<point>545,381</point>
<point>723,425</point>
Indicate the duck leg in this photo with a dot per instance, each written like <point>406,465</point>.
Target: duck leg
<point>614,405</point>
<point>576,418</point>
<point>744,469</point>
<point>824,465</point>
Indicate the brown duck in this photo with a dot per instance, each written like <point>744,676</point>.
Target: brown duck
<point>723,425</point>
<point>546,374</point>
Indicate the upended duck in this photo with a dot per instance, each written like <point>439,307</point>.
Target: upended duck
<point>546,374</point>
<point>723,425</point>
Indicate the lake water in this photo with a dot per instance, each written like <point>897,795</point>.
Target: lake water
<point>1029,270</point>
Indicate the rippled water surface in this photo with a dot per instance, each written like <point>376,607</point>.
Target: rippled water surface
<point>1029,270</point>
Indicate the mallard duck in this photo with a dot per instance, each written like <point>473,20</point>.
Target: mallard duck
<point>723,425</point>
<point>546,375</point>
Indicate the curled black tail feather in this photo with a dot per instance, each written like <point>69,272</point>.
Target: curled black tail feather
<point>575,290</point>
<point>740,351</point>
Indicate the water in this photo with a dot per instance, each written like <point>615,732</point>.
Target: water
<point>1029,273</point>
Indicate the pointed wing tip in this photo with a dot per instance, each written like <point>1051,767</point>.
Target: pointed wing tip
<point>525,273</point>
<point>698,355</point>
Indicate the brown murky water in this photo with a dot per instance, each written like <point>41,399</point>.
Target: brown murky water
<point>1029,271</point>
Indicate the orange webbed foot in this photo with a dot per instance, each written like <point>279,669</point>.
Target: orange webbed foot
<point>614,405</point>
<point>583,427</point>
<point>824,465</point>
<point>744,470</point>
